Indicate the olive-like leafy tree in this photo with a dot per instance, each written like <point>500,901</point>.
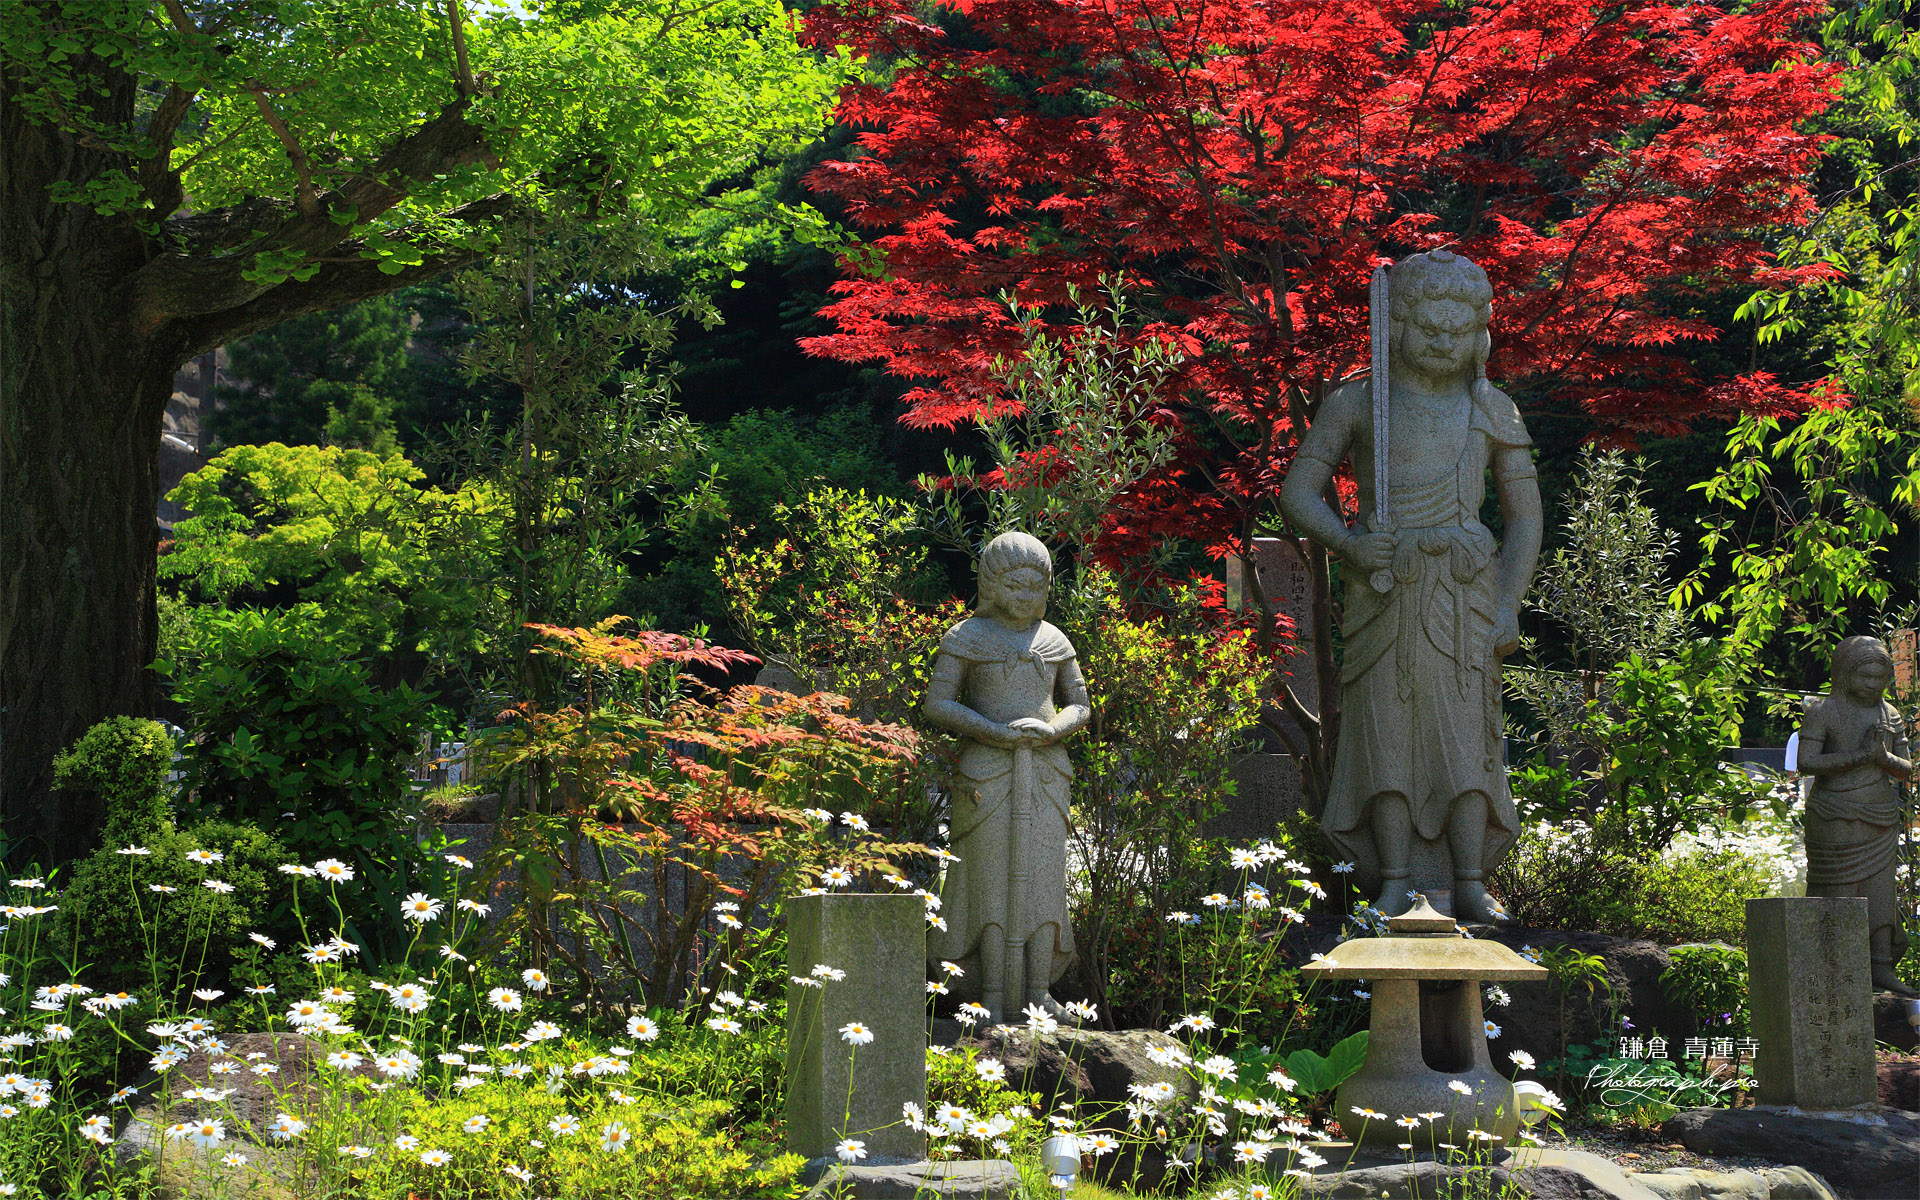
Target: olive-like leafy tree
<point>176,174</point>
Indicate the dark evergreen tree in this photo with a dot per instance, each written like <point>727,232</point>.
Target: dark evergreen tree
<point>287,377</point>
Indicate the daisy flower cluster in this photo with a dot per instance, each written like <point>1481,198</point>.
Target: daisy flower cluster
<point>383,1041</point>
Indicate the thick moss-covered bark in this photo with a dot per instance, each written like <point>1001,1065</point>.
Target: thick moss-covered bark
<point>96,313</point>
<point>81,397</point>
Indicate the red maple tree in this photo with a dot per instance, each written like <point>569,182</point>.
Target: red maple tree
<point>1241,165</point>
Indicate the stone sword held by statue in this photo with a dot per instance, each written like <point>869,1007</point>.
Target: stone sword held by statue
<point>1380,329</point>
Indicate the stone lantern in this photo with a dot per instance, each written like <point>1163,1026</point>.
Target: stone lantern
<point>1428,1037</point>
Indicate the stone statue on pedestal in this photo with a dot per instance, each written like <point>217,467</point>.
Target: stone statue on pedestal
<point>1854,745</point>
<point>1419,796</point>
<point>1010,684</point>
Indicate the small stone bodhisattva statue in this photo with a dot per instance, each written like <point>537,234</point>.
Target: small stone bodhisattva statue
<point>1010,685</point>
<point>1419,794</point>
<point>1854,745</point>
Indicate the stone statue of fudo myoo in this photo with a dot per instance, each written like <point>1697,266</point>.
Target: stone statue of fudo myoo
<point>1855,746</point>
<point>1418,795</point>
<point>1009,684</point>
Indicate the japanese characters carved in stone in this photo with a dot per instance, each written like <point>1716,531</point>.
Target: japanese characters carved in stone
<point>1419,796</point>
<point>1008,683</point>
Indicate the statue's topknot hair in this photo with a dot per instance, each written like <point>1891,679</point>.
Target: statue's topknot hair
<point>1013,550</point>
<point>1439,275</point>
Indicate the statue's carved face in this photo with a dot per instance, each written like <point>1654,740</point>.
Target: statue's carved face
<point>1438,337</point>
<point>1870,679</point>
<point>1018,595</point>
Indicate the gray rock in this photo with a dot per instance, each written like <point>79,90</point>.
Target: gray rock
<point>1867,1154</point>
<point>1559,1175</point>
<point>1411,1181</point>
<point>1692,1183</point>
<point>1578,1175</point>
<point>1890,1023</point>
<point>963,1179</point>
<point>1538,1174</point>
<point>1086,1066</point>
<point>1795,1183</point>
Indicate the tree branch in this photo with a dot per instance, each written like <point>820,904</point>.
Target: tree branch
<point>303,198</point>
<point>462,70</point>
<point>200,281</point>
<point>335,285</point>
<point>181,21</point>
<point>159,182</point>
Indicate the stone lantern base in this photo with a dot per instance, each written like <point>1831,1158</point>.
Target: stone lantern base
<point>1426,1054</point>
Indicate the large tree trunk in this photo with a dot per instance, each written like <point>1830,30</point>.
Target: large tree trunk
<point>77,613</point>
<point>96,314</point>
<point>81,398</point>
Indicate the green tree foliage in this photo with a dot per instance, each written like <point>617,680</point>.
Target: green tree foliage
<point>595,460</point>
<point>352,533</point>
<point>757,460</point>
<point>179,174</point>
<point>323,591</point>
<point>363,421</point>
<point>1082,424</point>
<point>1810,511</point>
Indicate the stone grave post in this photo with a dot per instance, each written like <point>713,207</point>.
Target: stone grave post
<point>1812,999</point>
<point>1285,580</point>
<point>840,1090</point>
<point>1269,779</point>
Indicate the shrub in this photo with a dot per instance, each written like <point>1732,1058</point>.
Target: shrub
<point>1694,896</point>
<point>122,909</point>
<point>289,730</point>
<point>835,599</point>
<point>730,802</point>
<point>1572,876</point>
<point>966,1077</point>
<point>674,1149</point>
<point>1711,980</point>
<point>1173,690</point>
<point>124,761</point>
<point>117,901</point>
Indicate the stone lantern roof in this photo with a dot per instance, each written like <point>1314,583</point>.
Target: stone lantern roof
<point>1424,944</point>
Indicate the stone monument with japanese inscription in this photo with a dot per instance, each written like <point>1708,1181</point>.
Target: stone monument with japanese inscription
<point>1282,582</point>
<point>1812,1000</point>
<point>1419,796</point>
<point>856,1024</point>
<point>1267,784</point>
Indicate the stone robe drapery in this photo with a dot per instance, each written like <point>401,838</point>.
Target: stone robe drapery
<point>1009,824</point>
<point>1853,831</point>
<point>1420,683</point>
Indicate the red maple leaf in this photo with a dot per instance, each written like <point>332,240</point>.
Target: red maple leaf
<point>1242,166</point>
